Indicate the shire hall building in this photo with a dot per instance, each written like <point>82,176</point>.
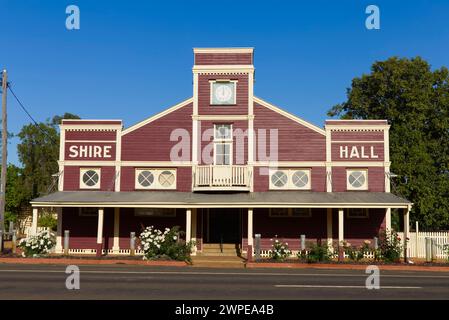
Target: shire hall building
<point>224,165</point>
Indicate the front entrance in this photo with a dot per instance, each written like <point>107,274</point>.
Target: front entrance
<point>223,226</point>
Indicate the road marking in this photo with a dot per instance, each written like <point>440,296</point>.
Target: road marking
<point>361,275</point>
<point>337,287</point>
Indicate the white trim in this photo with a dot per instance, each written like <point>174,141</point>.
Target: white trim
<point>34,221</point>
<point>157,116</point>
<point>194,230</point>
<point>223,141</point>
<point>116,245</point>
<point>223,69</point>
<point>355,141</point>
<point>61,177</point>
<point>349,186</point>
<point>224,117</point>
<point>100,163</point>
<point>211,92</point>
<point>289,172</point>
<point>289,115</point>
<point>250,236</point>
<point>329,227</point>
<point>188,225</point>
<point>388,219</point>
<point>341,228</point>
<point>223,50</point>
<point>61,143</point>
<point>90,127</point>
<point>100,226</point>
<point>59,231</point>
<point>118,158</point>
<point>367,127</point>
<point>328,161</point>
<point>92,141</point>
<point>155,185</point>
<point>215,205</point>
<point>82,185</point>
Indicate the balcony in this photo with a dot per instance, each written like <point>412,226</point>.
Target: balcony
<point>222,178</point>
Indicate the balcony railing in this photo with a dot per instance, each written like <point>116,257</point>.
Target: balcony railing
<point>222,177</point>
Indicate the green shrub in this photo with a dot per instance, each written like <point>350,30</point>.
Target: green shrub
<point>48,220</point>
<point>390,246</point>
<point>318,252</point>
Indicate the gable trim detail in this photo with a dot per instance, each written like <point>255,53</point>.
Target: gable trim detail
<point>157,116</point>
<point>289,115</point>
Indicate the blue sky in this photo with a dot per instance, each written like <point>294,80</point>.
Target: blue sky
<point>131,59</point>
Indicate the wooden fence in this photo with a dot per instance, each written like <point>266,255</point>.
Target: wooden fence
<point>416,246</point>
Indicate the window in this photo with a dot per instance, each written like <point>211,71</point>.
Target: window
<point>223,144</point>
<point>290,212</point>
<point>88,212</point>
<point>301,212</point>
<point>89,178</point>
<point>279,179</point>
<point>155,179</point>
<point>357,213</point>
<point>155,212</point>
<point>294,179</point>
<point>357,179</point>
<point>223,92</point>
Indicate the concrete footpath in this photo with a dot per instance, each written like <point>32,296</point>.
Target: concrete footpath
<point>217,263</point>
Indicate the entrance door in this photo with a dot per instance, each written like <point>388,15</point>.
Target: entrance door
<point>224,226</point>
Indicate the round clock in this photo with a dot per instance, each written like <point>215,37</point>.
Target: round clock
<point>223,93</point>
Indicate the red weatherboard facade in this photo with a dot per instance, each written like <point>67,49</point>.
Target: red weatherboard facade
<point>148,146</point>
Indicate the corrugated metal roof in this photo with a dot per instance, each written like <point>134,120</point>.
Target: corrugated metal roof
<point>189,199</point>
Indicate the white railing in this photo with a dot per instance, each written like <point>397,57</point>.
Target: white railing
<point>216,176</point>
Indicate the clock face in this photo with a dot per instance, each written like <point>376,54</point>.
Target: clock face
<point>223,93</point>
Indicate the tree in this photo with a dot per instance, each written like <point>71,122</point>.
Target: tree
<point>38,152</point>
<point>15,195</point>
<point>415,101</point>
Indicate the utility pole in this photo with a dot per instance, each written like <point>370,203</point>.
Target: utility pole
<point>4,155</point>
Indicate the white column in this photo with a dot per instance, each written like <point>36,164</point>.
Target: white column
<point>341,230</point>
<point>33,230</point>
<point>194,222</point>
<point>250,227</point>
<point>188,225</point>
<point>388,219</point>
<point>59,232</point>
<point>100,230</point>
<point>406,231</point>
<point>329,227</point>
<point>116,245</point>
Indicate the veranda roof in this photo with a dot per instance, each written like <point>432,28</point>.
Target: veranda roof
<point>174,199</point>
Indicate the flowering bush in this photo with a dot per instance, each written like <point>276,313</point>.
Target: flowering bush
<point>279,250</point>
<point>166,244</point>
<point>356,253</point>
<point>390,246</point>
<point>36,245</point>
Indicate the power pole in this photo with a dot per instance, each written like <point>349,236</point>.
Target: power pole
<point>4,155</point>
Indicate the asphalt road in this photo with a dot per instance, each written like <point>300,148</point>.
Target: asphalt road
<point>140,282</point>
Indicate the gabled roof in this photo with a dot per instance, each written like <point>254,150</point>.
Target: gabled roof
<point>289,115</point>
<point>157,116</point>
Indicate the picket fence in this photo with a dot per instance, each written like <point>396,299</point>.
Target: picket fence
<point>416,246</point>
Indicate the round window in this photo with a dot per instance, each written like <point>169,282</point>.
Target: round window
<point>91,178</point>
<point>166,179</point>
<point>300,179</point>
<point>145,178</point>
<point>279,179</point>
<point>357,179</point>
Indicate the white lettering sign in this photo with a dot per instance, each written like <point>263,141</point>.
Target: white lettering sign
<point>358,152</point>
<point>90,151</point>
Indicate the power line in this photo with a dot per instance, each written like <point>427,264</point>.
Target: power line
<point>29,115</point>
